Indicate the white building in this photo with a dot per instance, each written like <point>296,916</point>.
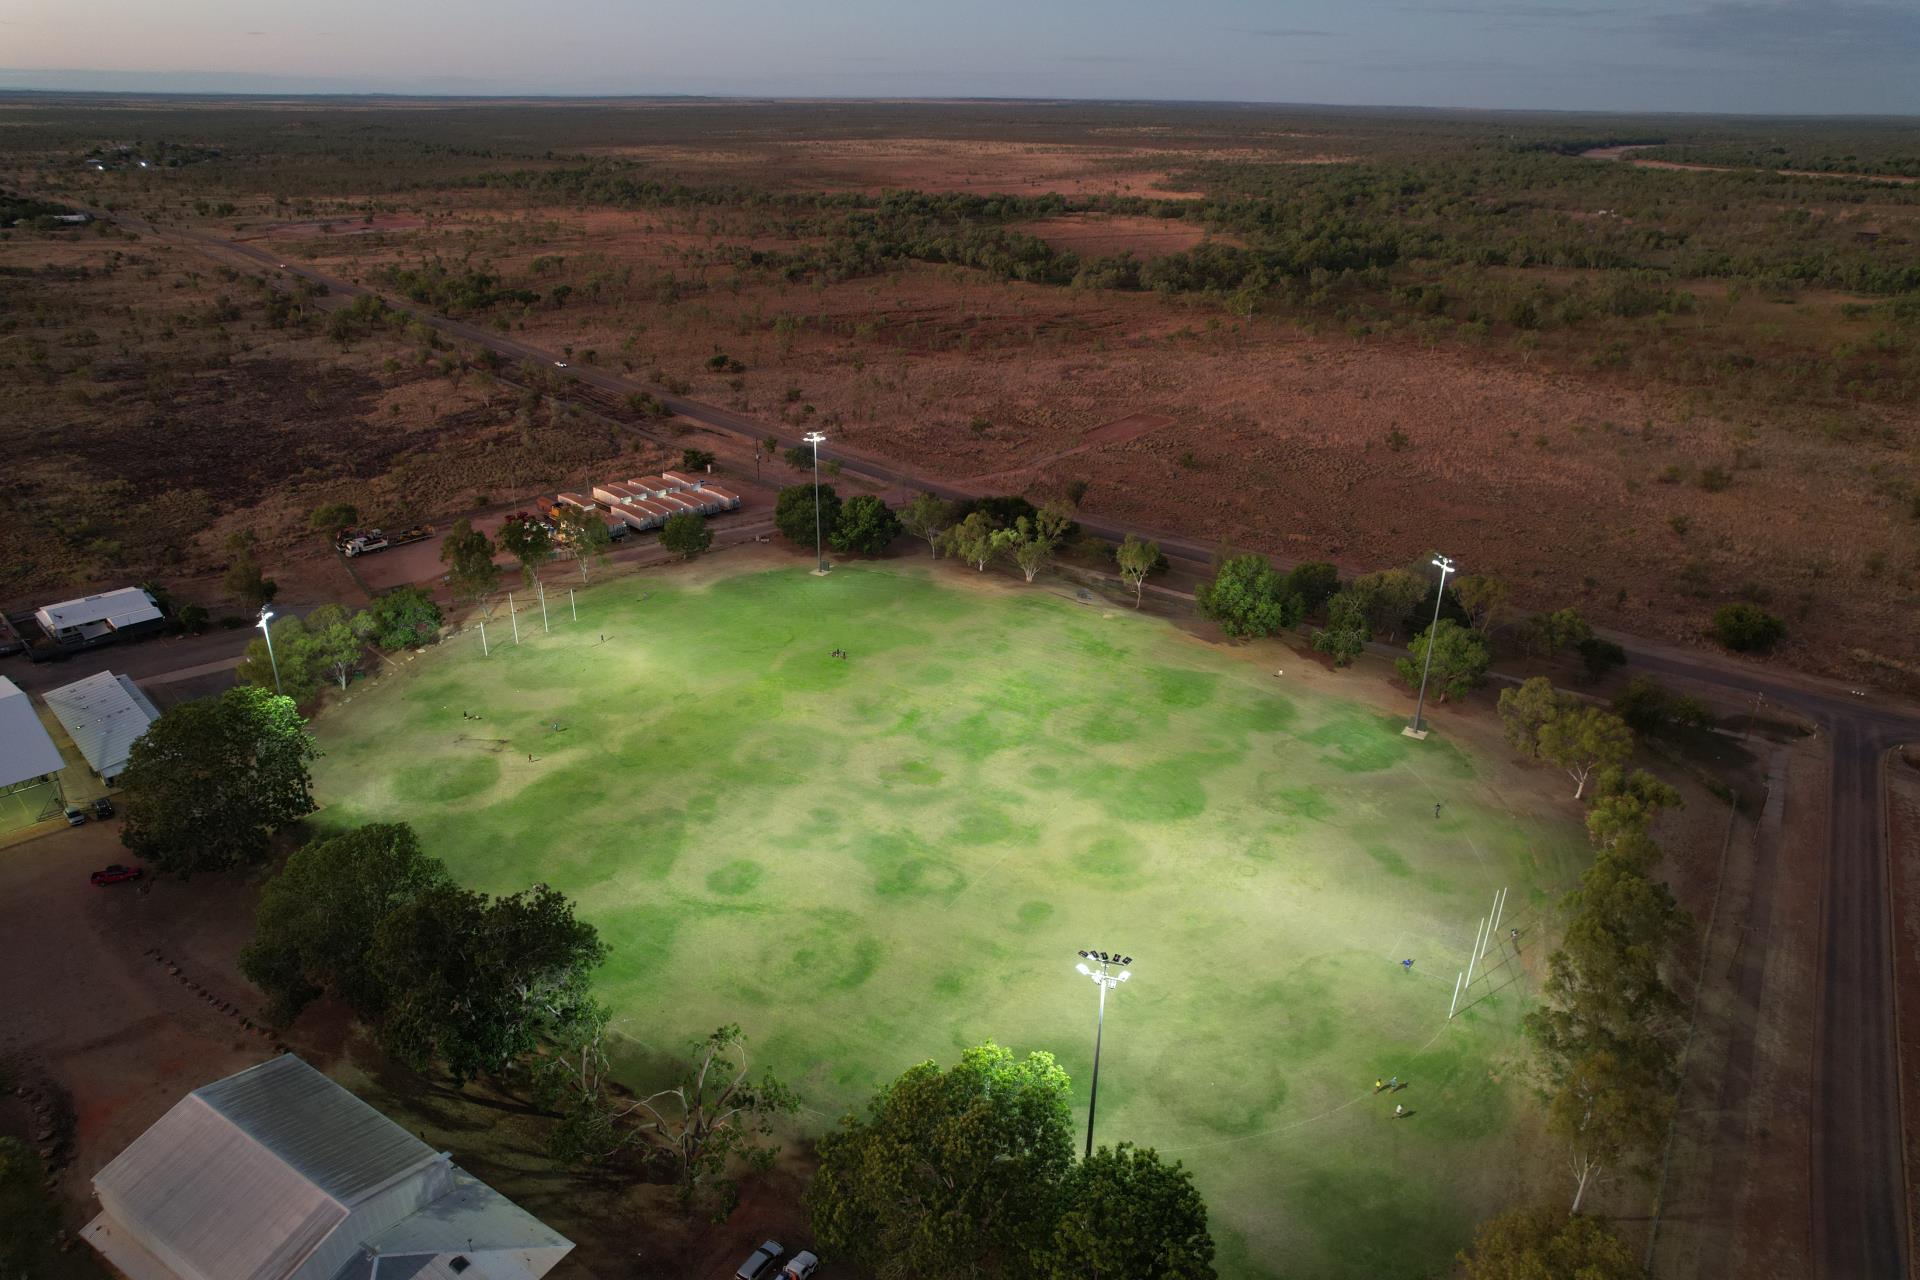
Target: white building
<point>278,1173</point>
<point>104,714</point>
<point>92,619</point>
<point>29,761</point>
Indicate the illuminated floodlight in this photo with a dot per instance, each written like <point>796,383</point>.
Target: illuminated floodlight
<point>1105,979</point>
<point>266,616</point>
<point>816,439</point>
<point>1418,728</point>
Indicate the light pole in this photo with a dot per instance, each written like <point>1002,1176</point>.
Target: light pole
<point>816,439</point>
<point>1104,978</point>
<point>1418,729</point>
<point>266,616</point>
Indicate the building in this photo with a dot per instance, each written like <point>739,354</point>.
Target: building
<point>100,619</point>
<point>30,763</point>
<point>278,1173</point>
<point>104,714</point>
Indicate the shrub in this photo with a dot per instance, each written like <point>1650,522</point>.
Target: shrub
<point>1747,628</point>
<point>695,459</point>
<point>1600,656</point>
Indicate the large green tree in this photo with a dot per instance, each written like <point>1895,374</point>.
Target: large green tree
<point>1548,633</point>
<point>927,517</point>
<point>1460,660</point>
<point>1482,599</point>
<point>404,617</point>
<point>1314,581</point>
<point>1245,597</point>
<point>211,780</point>
<point>584,535</point>
<point>1612,1111</point>
<point>1544,1243</point>
<point>468,555</point>
<point>686,534</point>
<point>477,982</point>
<point>1625,805</point>
<point>1345,636</point>
<point>978,540</point>
<point>1526,709</point>
<point>951,1173</point>
<point>318,915</point>
<point>1038,537</point>
<point>529,542</point>
<point>291,666</point>
<point>793,512</point>
<point>1137,558</point>
<point>1583,740</point>
<point>866,527</point>
<point>1123,1213</point>
<point>1390,597</point>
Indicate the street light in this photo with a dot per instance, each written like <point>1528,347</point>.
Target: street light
<point>266,616</point>
<point>816,439</point>
<point>1104,978</point>
<point>1418,729</point>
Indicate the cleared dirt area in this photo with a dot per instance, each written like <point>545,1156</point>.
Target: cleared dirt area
<point>1627,155</point>
<point>1101,236</point>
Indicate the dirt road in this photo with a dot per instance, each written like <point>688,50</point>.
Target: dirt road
<point>1859,1179</point>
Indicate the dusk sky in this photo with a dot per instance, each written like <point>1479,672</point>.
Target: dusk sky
<point>1811,56</point>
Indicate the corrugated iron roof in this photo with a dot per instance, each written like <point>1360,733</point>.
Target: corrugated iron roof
<point>104,714</point>
<point>26,749</point>
<point>124,607</point>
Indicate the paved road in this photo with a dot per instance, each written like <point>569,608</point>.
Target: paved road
<point>1860,1227</point>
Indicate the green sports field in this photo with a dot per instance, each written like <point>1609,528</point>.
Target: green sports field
<point>874,861</point>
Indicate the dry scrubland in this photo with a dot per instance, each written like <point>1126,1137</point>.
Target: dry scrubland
<point>1657,407</point>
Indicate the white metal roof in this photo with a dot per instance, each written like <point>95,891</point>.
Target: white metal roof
<point>123,608</point>
<point>496,1236</point>
<point>26,749</point>
<point>104,714</point>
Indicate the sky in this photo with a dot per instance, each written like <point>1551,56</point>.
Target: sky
<point>1749,56</point>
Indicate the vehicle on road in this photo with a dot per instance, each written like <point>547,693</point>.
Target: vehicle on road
<point>759,1265</point>
<point>103,808</point>
<point>800,1267</point>
<point>359,542</point>
<point>115,874</point>
<point>76,817</point>
<point>559,364</point>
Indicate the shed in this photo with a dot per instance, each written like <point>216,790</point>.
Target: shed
<point>98,618</point>
<point>104,714</point>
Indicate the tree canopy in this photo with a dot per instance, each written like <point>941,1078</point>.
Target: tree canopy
<point>866,526</point>
<point>793,512</point>
<point>1544,1243</point>
<point>468,555</point>
<point>1125,1213</point>
<point>1460,660</point>
<point>211,780</point>
<point>404,617</point>
<point>686,534</point>
<point>1137,558</point>
<point>1245,596</point>
<point>927,517</point>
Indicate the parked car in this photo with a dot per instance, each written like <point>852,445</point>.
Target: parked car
<point>76,817</point>
<point>800,1267</point>
<point>115,873</point>
<point>759,1265</point>
<point>103,808</point>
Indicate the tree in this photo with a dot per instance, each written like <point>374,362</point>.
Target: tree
<point>867,527</point>
<point>927,517</point>
<point>1345,636</point>
<point>1460,659</point>
<point>584,534</point>
<point>1390,597</point>
<point>1625,805</point>
<point>1036,538</point>
<point>1747,628</point>
<point>695,459</point>
<point>1600,656</point>
<point>793,512</point>
<point>1525,710</point>
<point>317,917</point>
<point>292,656</point>
<point>29,1215</point>
<point>529,542</point>
<point>209,782</point>
<point>978,541</point>
<point>1610,1110</point>
<point>403,618</point>
<point>686,534</point>
<point>478,982</point>
<point>1244,597</point>
<point>1314,581</point>
<point>1583,739</point>
<point>716,1113</point>
<point>468,555</point>
<point>1483,599</point>
<point>336,640</point>
<point>950,1173</point>
<point>1124,1213</point>
<point>1137,559</point>
<point>1548,633</point>
<point>331,517</point>
<point>245,583</point>
<point>1545,1243</point>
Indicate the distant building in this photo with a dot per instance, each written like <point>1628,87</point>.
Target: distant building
<point>100,619</point>
<point>104,714</point>
<point>278,1173</point>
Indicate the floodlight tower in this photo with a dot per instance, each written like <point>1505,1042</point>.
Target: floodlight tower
<point>266,616</point>
<point>1418,729</point>
<point>1104,978</point>
<point>816,439</point>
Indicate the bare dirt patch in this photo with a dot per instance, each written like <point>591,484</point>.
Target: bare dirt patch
<point>1103,236</point>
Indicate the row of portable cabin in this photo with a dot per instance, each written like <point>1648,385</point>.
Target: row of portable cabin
<point>649,502</point>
